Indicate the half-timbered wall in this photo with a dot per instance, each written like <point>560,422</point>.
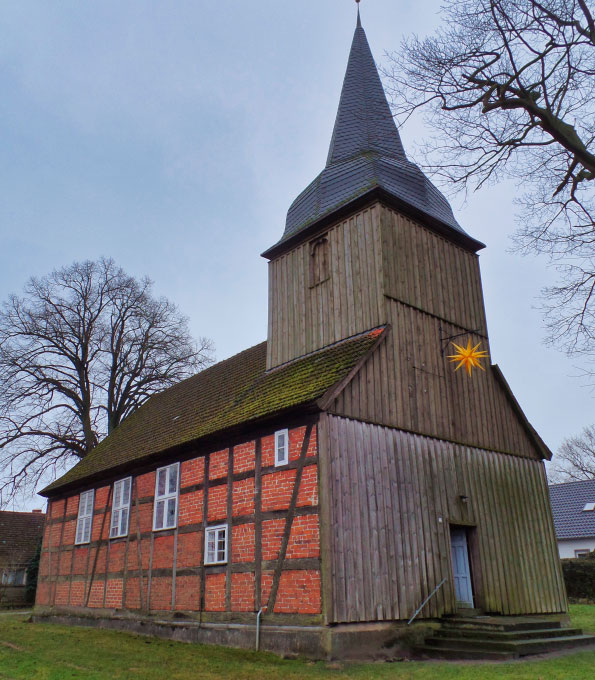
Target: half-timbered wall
<point>273,544</point>
<point>392,497</point>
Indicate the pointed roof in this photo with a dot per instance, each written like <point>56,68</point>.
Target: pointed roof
<point>364,120</point>
<point>366,158</point>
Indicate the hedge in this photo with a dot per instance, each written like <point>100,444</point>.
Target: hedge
<point>579,576</point>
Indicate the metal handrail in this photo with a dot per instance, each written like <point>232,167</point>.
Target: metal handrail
<point>425,602</point>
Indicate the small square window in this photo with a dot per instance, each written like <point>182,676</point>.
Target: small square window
<point>281,447</point>
<point>589,507</point>
<point>85,518</point>
<point>216,544</point>
<point>167,487</point>
<point>121,508</point>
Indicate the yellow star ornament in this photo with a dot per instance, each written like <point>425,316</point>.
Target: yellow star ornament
<point>468,356</point>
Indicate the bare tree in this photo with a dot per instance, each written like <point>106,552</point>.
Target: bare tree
<point>509,87</point>
<point>79,351</point>
<point>575,459</point>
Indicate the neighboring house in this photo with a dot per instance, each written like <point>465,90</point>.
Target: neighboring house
<point>338,472</point>
<point>573,506</point>
<point>20,534</point>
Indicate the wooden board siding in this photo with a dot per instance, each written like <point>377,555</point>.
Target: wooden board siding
<point>408,383</point>
<point>303,318</point>
<point>375,253</point>
<point>273,538</point>
<point>426,271</point>
<point>391,499</point>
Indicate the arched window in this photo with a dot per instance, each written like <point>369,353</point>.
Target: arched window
<point>319,261</point>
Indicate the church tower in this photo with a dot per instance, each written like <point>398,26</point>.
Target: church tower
<point>371,242</point>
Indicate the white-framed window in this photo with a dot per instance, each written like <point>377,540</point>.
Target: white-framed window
<point>121,508</point>
<point>216,544</point>
<point>589,507</point>
<point>581,553</point>
<point>281,447</point>
<point>85,519</point>
<point>167,487</point>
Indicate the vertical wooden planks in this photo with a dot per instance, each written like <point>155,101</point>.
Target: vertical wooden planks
<point>431,273</point>
<point>392,496</point>
<point>410,385</point>
<point>303,318</point>
<point>327,530</point>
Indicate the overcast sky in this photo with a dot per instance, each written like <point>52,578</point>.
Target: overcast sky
<point>173,136</point>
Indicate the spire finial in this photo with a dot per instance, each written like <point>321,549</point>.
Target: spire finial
<point>359,21</point>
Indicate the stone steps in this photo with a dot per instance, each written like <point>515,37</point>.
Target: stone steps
<point>428,652</point>
<point>520,647</point>
<point>500,638</point>
<point>447,631</point>
<point>501,623</point>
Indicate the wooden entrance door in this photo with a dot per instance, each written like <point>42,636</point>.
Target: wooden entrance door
<point>460,566</point>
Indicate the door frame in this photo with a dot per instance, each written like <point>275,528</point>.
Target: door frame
<point>472,557</point>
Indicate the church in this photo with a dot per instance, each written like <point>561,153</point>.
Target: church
<point>319,490</point>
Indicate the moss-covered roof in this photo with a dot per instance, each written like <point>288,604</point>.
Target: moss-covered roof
<point>233,392</point>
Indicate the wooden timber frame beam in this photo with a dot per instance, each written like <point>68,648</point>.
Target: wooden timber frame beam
<point>141,585</point>
<point>98,547</point>
<point>289,520</point>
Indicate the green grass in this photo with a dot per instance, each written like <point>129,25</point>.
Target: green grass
<point>49,652</point>
<point>583,616</point>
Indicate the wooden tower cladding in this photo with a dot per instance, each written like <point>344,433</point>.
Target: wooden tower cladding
<point>380,267</point>
<point>327,288</point>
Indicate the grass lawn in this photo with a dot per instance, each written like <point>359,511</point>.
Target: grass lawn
<point>49,652</point>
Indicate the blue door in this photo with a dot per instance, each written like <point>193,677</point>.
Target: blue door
<point>460,567</point>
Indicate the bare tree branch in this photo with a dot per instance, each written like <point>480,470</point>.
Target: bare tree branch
<point>79,352</point>
<point>576,458</point>
<point>509,87</point>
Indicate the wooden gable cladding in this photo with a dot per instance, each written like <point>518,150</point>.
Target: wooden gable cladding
<point>426,271</point>
<point>308,312</point>
<point>410,383</point>
<point>391,498</point>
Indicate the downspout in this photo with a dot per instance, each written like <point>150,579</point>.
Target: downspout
<point>258,628</point>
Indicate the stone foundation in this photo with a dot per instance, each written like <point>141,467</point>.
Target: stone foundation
<point>349,641</point>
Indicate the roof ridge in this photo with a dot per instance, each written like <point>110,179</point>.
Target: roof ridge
<point>574,481</point>
<point>22,512</point>
<point>326,347</point>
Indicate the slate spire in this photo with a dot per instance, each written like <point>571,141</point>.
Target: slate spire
<point>366,161</point>
<point>364,120</point>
